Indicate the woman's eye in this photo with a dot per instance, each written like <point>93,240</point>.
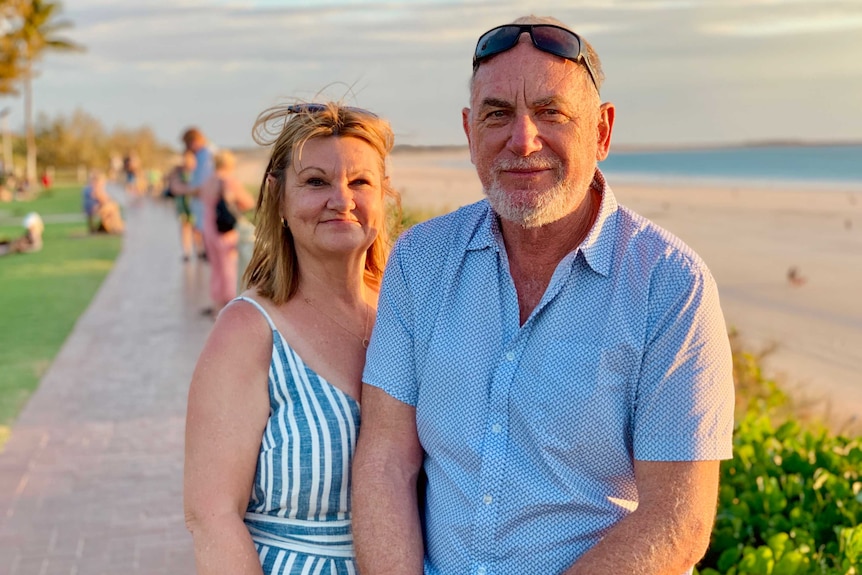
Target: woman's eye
<point>316,182</point>
<point>361,182</point>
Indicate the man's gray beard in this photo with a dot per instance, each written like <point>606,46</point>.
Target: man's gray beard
<point>542,208</point>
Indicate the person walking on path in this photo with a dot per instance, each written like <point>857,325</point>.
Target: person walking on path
<point>181,175</point>
<point>196,142</point>
<point>221,245</point>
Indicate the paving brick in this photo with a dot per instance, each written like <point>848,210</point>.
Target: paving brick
<point>91,478</point>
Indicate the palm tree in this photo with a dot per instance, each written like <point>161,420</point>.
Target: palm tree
<point>10,68</point>
<point>35,34</point>
<point>10,74</point>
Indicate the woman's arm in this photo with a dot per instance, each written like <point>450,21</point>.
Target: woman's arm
<point>228,409</point>
<point>178,186</point>
<point>236,194</point>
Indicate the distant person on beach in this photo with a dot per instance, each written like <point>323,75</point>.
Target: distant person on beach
<point>190,237</point>
<point>273,407</point>
<point>556,364</point>
<point>795,278</point>
<point>196,142</point>
<point>221,244</point>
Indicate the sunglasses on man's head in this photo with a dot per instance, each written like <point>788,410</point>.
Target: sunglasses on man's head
<point>546,37</point>
<point>313,108</point>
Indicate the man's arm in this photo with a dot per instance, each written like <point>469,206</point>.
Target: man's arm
<point>669,531</point>
<point>386,530</point>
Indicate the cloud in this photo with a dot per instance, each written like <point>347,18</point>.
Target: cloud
<point>818,24</point>
<point>669,62</point>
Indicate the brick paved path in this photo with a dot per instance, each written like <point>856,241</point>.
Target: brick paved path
<point>91,479</point>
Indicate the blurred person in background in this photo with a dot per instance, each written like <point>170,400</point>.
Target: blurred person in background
<point>221,244</point>
<point>31,241</point>
<point>195,141</point>
<point>178,185</point>
<point>132,172</point>
<point>273,410</point>
<point>102,212</point>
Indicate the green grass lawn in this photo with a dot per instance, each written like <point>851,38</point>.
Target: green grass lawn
<point>57,200</point>
<point>42,294</point>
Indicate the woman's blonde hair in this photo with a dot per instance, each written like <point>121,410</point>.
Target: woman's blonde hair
<point>273,269</point>
<point>224,160</point>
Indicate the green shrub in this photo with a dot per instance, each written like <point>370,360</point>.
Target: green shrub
<point>790,501</point>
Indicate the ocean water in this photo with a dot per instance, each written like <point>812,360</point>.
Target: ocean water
<point>831,165</point>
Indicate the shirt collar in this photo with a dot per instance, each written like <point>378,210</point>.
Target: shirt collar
<point>487,234</point>
<point>597,247</point>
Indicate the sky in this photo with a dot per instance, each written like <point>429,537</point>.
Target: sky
<point>680,72</point>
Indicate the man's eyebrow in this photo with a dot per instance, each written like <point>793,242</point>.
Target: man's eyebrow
<point>549,101</point>
<point>495,103</point>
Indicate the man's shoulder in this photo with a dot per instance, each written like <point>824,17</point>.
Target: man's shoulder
<point>643,238</point>
<point>456,226</point>
<point>429,250</point>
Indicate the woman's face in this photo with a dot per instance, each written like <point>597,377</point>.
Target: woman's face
<point>333,201</point>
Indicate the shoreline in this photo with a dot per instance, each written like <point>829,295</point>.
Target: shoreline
<point>750,236</point>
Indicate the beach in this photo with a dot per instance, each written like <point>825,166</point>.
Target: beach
<point>750,237</point>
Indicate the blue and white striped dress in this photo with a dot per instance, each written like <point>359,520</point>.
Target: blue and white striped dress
<point>299,511</point>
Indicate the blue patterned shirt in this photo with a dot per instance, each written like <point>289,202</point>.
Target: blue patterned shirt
<point>530,431</point>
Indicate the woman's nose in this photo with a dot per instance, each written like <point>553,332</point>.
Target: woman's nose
<point>341,198</point>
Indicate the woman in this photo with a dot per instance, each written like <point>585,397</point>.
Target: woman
<point>221,246</point>
<point>274,402</point>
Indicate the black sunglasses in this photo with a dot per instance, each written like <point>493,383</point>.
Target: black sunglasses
<point>313,108</point>
<point>546,37</point>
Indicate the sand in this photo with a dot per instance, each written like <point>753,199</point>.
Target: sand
<point>749,237</point>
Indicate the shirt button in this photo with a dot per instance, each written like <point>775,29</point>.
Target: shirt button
<point>510,356</point>
<point>481,571</point>
<point>487,499</point>
<point>496,428</point>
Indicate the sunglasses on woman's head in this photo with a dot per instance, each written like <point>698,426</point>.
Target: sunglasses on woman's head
<point>546,37</point>
<point>313,108</point>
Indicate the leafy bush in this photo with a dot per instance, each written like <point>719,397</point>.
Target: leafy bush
<point>790,501</point>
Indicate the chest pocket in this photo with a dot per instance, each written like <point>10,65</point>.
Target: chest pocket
<point>576,399</point>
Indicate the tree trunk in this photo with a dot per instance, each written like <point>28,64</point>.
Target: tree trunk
<point>28,121</point>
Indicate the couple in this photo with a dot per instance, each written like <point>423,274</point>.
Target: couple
<point>557,365</point>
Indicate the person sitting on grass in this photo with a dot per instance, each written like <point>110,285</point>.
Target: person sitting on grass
<point>103,213</point>
<point>31,241</point>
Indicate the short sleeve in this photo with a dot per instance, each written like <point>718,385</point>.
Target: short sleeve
<point>685,396</point>
<point>390,362</point>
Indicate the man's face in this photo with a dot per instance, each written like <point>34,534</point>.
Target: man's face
<point>536,130</point>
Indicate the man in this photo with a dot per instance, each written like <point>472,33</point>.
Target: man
<point>196,142</point>
<point>557,364</point>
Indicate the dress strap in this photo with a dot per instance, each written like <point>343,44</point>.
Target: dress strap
<point>260,308</point>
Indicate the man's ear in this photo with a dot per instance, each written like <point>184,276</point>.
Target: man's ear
<point>465,123</point>
<point>607,112</point>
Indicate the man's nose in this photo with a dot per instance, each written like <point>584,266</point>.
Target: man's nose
<point>524,137</point>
